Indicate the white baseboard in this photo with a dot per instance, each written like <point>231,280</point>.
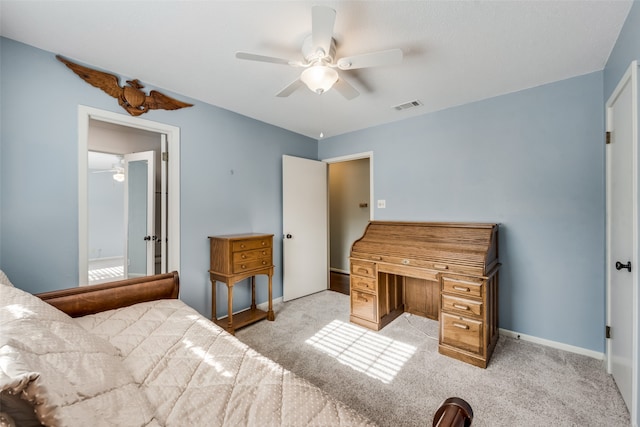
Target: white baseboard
<point>553,344</point>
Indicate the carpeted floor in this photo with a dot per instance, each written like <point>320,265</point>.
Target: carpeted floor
<point>397,377</point>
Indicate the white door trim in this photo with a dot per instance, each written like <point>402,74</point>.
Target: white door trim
<point>86,113</point>
<point>358,156</point>
<point>630,77</point>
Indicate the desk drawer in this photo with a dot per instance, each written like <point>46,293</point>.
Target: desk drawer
<point>364,283</point>
<point>461,332</point>
<point>462,306</point>
<point>364,305</point>
<point>462,287</point>
<point>243,245</point>
<point>250,265</point>
<point>363,268</point>
<point>244,256</point>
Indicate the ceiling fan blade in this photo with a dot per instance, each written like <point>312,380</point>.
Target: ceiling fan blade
<point>322,20</point>
<point>292,87</point>
<point>263,58</point>
<point>345,89</point>
<point>374,59</point>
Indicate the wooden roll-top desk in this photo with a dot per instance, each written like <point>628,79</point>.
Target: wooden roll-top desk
<point>443,271</point>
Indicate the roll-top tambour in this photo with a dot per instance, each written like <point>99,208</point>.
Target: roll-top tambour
<point>462,247</point>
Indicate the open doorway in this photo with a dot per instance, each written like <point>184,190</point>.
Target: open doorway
<point>350,190</point>
<point>112,138</point>
<point>121,207</point>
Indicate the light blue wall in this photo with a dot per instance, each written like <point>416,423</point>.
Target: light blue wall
<point>532,161</point>
<point>39,217</point>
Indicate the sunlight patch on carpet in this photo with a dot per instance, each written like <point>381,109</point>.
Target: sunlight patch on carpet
<point>363,350</point>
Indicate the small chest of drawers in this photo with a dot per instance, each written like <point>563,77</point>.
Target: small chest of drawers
<point>236,257</point>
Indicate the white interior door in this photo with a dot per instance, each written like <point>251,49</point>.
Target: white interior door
<point>304,222</point>
<point>622,221</point>
<point>140,179</point>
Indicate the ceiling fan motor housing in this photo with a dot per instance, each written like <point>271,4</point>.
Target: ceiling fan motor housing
<point>315,54</point>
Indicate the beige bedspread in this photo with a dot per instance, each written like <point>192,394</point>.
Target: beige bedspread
<point>195,374</point>
<point>151,364</point>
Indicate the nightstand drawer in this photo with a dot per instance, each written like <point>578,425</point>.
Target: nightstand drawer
<point>250,265</point>
<point>463,287</point>
<point>363,268</point>
<point>364,283</point>
<point>461,332</point>
<point>244,256</point>
<point>462,306</point>
<point>243,245</point>
<point>364,305</point>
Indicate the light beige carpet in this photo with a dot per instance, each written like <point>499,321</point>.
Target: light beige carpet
<point>397,377</point>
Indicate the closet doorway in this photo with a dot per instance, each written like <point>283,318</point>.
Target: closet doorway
<point>350,199</point>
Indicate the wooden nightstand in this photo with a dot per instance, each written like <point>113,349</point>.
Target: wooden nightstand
<point>236,257</point>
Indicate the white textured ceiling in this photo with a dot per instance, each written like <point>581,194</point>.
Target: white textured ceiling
<point>455,52</point>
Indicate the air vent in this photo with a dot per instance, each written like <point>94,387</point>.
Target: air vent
<point>407,105</point>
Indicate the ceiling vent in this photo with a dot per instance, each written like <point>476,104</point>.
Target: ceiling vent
<point>407,105</point>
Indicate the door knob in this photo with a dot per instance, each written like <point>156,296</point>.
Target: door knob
<point>288,236</point>
<point>147,238</point>
<point>620,266</point>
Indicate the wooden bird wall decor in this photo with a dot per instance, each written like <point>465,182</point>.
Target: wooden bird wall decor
<point>130,97</point>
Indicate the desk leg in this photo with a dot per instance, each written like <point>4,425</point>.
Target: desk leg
<point>270,315</point>
<point>230,308</point>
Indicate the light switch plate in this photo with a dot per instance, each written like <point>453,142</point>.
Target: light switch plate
<point>382,204</point>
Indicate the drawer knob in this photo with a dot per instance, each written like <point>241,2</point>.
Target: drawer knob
<point>243,256</point>
<point>264,252</point>
<point>461,288</point>
<point>264,243</point>
<point>460,325</point>
<point>242,245</point>
<point>264,262</point>
<point>405,261</point>
<point>243,266</point>
<point>460,307</point>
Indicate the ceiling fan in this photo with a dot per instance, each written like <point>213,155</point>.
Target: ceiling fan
<point>320,63</point>
<point>116,170</point>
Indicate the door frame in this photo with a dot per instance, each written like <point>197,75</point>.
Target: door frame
<point>630,77</point>
<point>358,156</point>
<point>85,114</point>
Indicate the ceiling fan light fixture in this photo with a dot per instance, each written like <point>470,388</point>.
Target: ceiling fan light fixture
<point>319,78</point>
<point>118,176</point>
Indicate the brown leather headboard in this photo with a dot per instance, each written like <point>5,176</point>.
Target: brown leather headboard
<point>83,300</point>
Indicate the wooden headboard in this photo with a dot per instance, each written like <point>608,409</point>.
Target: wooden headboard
<point>83,300</point>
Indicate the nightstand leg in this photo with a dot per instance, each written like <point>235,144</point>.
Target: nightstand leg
<point>214,315</point>
<point>270,315</point>
<point>230,308</point>
<point>253,292</point>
